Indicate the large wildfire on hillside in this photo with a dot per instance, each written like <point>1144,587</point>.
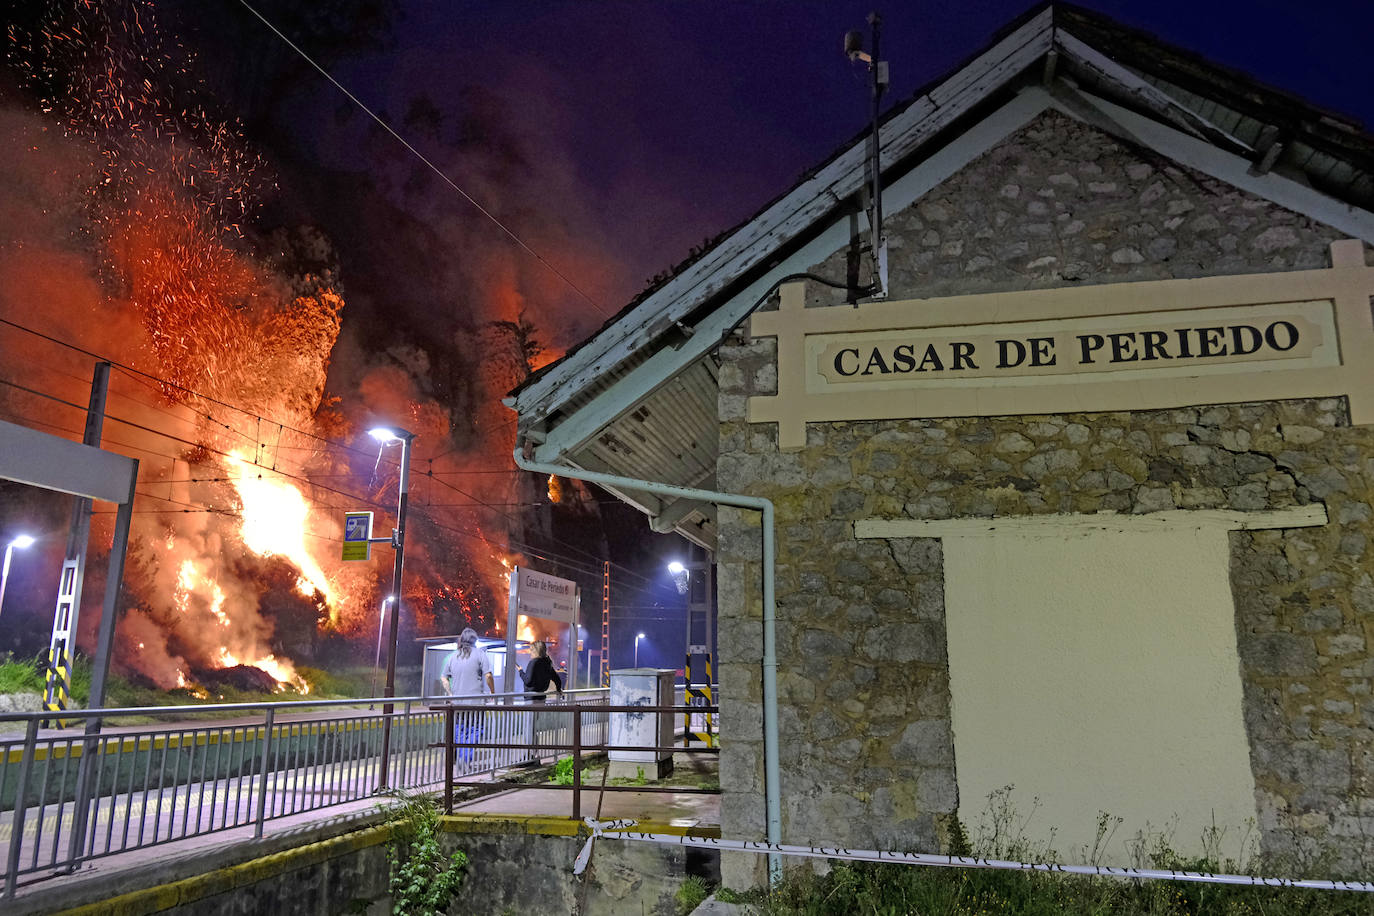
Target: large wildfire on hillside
<point>126,233</point>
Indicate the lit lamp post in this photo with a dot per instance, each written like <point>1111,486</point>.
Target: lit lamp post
<point>377,662</point>
<point>22,541</point>
<point>637,639</point>
<point>387,435</point>
<point>679,574</point>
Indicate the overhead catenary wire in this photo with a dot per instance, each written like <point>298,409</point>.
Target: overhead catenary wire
<point>589,563</point>
<point>509,544</point>
<point>432,167</point>
<point>590,556</point>
<point>138,375</point>
<point>145,378</point>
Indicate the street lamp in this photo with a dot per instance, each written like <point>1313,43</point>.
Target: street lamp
<point>679,574</point>
<point>389,435</point>
<point>22,541</point>
<point>377,662</point>
<point>637,639</point>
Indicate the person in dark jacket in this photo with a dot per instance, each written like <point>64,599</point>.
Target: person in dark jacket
<point>539,672</point>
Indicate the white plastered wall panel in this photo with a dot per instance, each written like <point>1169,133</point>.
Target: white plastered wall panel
<point>1099,673</point>
<point>1094,668</point>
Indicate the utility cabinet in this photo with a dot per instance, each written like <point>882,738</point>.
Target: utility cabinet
<point>649,730</point>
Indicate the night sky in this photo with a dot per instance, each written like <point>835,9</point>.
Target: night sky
<point>644,128</point>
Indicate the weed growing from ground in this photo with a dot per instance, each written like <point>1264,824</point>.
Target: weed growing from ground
<point>423,880</point>
<point>896,890</point>
<point>690,894</point>
<point>563,772</point>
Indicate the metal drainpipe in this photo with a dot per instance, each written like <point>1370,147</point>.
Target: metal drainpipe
<point>771,780</point>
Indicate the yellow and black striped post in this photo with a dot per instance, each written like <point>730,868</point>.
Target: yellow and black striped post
<point>59,680</point>
<point>691,693</point>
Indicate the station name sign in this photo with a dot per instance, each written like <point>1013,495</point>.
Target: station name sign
<point>1167,342</point>
<point>541,595</point>
<point>1075,349</point>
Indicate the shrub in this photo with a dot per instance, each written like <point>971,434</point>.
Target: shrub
<point>422,880</point>
<point>690,894</point>
<point>21,676</point>
<point>563,772</point>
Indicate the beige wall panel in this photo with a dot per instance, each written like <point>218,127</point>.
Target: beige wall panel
<point>1099,672</point>
<point>817,383</point>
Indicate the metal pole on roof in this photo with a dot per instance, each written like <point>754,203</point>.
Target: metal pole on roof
<point>877,68</point>
<point>772,782</point>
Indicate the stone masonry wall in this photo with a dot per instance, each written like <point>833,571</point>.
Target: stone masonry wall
<point>515,865</point>
<point>866,748</point>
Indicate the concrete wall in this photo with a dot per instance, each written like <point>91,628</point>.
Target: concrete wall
<point>868,747</point>
<point>515,865</point>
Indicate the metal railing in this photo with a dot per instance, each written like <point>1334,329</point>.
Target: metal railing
<point>483,739</point>
<point>67,798</point>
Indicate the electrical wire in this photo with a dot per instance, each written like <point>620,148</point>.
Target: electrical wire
<point>139,376</point>
<point>511,544</point>
<point>432,167</point>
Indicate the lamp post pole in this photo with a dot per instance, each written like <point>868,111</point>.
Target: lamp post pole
<point>21,542</point>
<point>637,639</point>
<point>377,662</point>
<point>398,540</point>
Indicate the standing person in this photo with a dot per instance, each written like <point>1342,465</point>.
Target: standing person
<point>467,674</point>
<point>538,673</point>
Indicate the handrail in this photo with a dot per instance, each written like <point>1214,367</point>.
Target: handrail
<point>110,712</point>
<point>116,711</point>
<point>576,746</point>
<point>185,771</point>
<point>174,777</point>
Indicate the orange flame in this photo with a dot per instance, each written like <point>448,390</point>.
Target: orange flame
<point>193,582</point>
<point>274,522</point>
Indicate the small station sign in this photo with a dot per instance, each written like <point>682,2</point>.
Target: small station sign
<point>357,540</point>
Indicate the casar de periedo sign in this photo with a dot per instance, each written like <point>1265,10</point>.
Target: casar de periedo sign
<point>894,355</point>
<point>541,595</point>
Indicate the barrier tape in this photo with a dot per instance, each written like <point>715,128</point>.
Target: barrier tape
<point>620,830</point>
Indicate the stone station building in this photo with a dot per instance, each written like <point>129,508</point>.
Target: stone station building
<point>1081,507</point>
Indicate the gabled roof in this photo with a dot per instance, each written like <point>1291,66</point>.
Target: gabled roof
<point>637,398</point>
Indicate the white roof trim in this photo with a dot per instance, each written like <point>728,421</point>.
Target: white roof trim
<point>798,212</point>
<point>789,217</point>
<point>1149,95</point>
<point>1232,169</point>
<point>581,426</point>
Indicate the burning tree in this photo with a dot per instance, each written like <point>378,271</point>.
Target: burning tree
<point>225,334</point>
<point>213,314</point>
